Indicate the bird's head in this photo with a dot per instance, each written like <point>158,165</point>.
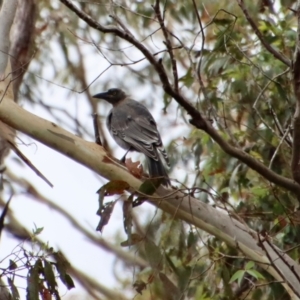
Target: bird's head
<point>113,96</point>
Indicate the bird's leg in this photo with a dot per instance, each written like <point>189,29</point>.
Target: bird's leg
<point>124,157</point>
<point>96,130</point>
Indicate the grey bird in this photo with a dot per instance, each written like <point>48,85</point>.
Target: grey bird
<point>134,129</point>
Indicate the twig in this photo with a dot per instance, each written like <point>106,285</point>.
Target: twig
<point>29,163</point>
<point>275,118</point>
<point>167,43</point>
<point>272,50</point>
<point>280,256</point>
<point>96,129</point>
<point>279,127</point>
<point>201,51</point>
<point>266,86</point>
<point>119,21</point>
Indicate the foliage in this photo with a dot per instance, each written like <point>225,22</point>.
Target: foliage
<point>227,74</point>
<point>40,265</point>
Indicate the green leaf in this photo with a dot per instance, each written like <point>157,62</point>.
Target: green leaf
<point>69,281</point>
<point>127,216</point>
<point>105,214</point>
<point>259,191</point>
<point>191,239</point>
<point>153,255</point>
<point>148,187</point>
<point>12,265</point>
<point>49,276</point>
<point>13,289</point>
<point>255,274</point>
<point>37,230</point>
<point>33,284</point>
<point>249,265</point>
<point>61,267</point>
<point>169,287</point>
<point>238,275</point>
<point>187,79</point>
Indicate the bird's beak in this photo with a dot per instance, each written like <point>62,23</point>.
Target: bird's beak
<point>103,96</point>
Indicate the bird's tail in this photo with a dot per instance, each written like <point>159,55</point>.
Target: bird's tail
<point>157,170</point>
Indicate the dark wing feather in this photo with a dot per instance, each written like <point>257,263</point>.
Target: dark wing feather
<point>133,124</point>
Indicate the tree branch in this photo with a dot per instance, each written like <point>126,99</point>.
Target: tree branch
<point>197,120</point>
<point>295,163</point>
<point>22,41</point>
<point>253,163</point>
<point>272,50</point>
<point>7,15</point>
<point>167,42</point>
<point>178,204</point>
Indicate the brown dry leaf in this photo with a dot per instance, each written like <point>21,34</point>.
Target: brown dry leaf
<point>127,216</point>
<point>114,187</point>
<point>105,214</point>
<point>139,286</point>
<point>135,168</point>
<point>151,278</point>
<point>282,220</point>
<point>169,287</point>
<point>134,239</point>
<point>106,159</point>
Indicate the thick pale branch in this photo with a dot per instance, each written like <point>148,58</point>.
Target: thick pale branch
<point>7,15</point>
<point>178,204</point>
<point>295,165</point>
<point>197,119</point>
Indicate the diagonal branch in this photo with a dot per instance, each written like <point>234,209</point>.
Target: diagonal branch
<point>201,50</point>
<point>197,119</point>
<point>153,61</point>
<point>167,42</point>
<point>272,50</point>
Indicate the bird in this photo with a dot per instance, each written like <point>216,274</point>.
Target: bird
<point>134,129</point>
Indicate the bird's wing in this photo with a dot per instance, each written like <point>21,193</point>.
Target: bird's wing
<point>148,127</point>
<point>143,111</point>
<point>133,124</point>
